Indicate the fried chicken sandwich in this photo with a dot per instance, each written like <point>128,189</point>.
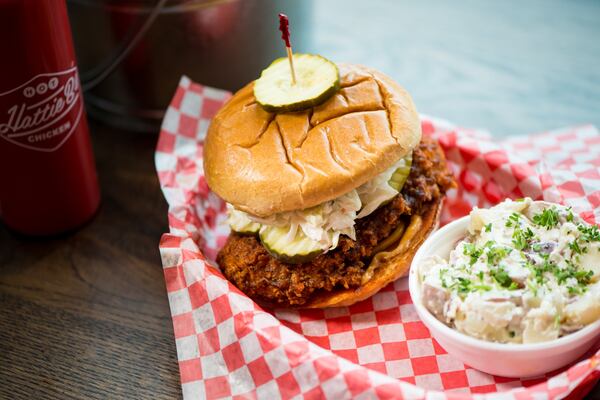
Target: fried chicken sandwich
<point>330,186</point>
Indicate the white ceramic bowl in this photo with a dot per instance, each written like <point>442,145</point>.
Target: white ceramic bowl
<point>509,360</point>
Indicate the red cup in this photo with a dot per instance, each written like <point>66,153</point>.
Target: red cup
<point>48,181</point>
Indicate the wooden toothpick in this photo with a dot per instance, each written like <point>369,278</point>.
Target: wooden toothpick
<point>284,27</point>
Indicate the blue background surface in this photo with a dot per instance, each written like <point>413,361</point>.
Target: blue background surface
<point>512,67</point>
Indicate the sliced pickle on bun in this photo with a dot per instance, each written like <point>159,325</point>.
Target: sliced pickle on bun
<point>317,79</point>
<point>294,249</point>
<point>401,173</point>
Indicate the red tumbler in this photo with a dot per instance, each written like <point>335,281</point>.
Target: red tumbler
<point>48,180</point>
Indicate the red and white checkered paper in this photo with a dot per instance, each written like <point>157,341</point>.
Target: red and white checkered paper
<point>228,346</point>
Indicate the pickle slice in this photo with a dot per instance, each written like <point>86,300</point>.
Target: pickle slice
<point>248,229</point>
<point>240,223</point>
<point>298,250</point>
<point>317,79</point>
<point>394,237</point>
<point>401,173</point>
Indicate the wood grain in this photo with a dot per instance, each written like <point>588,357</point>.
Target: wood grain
<point>86,315</point>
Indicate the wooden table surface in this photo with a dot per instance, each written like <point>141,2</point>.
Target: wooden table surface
<point>86,315</point>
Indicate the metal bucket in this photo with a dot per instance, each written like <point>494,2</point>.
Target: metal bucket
<point>131,53</point>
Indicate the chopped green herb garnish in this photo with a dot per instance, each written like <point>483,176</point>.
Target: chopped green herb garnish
<point>584,277</point>
<point>540,270</point>
<point>501,276</point>
<point>521,237</point>
<point>513,220</point>
<point>570,215</point>
<point>511,334</point>
<point>562,275</point>
<point>532,287</point>
<point>519,242</point>
<point>464,285</point>
<point>488,227</point>
<point>547,218</point>
<point>581,276</point>
<point>480,275</point>
<point>443,272</point>
<point>472,251</point>
<point>496,254</point>
<point>574,246</point>
<point>589,233</point>
<point>576,289</point>
<point>529,233</point>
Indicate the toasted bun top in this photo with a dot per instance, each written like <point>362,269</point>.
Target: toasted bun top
<point>264,163</point>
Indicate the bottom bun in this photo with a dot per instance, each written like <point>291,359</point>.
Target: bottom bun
<point>388,265</point>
